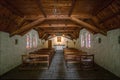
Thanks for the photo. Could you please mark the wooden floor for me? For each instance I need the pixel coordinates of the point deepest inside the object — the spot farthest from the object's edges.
(58, 70)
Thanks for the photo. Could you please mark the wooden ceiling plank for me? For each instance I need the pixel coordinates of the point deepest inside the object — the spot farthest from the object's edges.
(72, 7)
(21, 23)
(28, 27)
(100, 8)
(10, 7)
(41, 7)
(109, 17)
(87, 26)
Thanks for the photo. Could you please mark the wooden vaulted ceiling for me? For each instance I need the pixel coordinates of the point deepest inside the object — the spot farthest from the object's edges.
(58, 17)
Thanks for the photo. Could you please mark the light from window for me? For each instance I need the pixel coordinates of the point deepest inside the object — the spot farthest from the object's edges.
(88, 45)
(82, 40)
(86, 40)
(28, 41)
(34, 41)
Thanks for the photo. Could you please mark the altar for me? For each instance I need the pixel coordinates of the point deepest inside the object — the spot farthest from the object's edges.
(59, 47)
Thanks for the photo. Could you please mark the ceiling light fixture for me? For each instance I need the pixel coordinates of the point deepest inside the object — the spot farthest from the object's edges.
(55, 8)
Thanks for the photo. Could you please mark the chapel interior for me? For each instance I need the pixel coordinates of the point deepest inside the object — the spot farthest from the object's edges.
(60, 39)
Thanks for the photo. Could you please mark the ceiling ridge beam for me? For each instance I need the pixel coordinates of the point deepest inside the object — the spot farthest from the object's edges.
(72, 7)
(41, 7)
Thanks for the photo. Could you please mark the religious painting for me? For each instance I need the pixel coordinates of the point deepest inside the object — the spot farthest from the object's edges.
(58, 39)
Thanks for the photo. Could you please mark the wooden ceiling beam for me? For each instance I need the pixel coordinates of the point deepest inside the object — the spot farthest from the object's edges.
(44, 35)
(51, 37)
(41, 8)
(59, 31)
(87, 26)
(72, 36)
(67, 26)
(67, 37)
(96, 23)
(60, 17)
(21, 23)
(28, 27)
(76, 33)
(109, 17)
(72, 7)
(41, 34)
(82, 16)
(10, 7)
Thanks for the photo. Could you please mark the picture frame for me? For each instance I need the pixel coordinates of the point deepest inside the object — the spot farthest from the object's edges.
(58, 39)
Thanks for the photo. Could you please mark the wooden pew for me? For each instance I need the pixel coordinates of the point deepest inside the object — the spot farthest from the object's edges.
(87, 62)
(72, 55)
(38, 57)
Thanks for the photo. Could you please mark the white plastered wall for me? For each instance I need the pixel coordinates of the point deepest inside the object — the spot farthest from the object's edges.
(107, 53)
(10, 53)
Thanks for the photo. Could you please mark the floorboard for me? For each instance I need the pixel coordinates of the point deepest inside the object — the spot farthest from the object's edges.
(58, 70)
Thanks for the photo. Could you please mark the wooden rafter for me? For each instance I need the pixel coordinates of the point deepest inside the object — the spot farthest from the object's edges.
(21, 23)
(66, 37)
(100, 8)
(109, 17)
(41, 8)
(87, 26)
(72, 25)
(46, 37)
(40, 20)
(41, 34)
(72, 7)
(28, 27)
(10, 7)
(72, 35)
(58, 31)
(96, 23)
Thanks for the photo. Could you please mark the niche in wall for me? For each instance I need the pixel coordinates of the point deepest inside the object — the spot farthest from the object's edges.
(118, 39)
(16, 41)
(99, 40)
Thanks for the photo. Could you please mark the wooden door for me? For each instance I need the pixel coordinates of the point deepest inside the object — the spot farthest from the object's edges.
(49, 43)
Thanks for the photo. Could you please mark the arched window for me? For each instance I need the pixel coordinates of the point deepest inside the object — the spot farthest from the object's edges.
(28, 41)
(82, 40)
(34, 41)
(85, 39)
(88, 40)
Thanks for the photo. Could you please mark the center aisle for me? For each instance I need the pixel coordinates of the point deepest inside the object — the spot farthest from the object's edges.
(58, 69)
